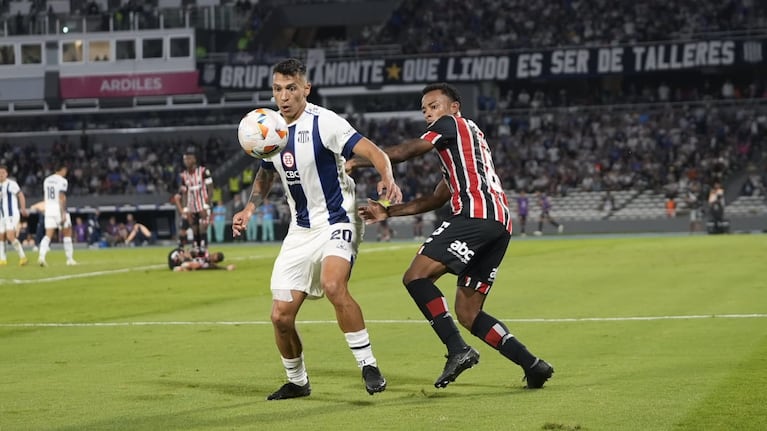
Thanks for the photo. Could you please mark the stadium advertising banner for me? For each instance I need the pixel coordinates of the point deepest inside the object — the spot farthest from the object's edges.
(572, 62)
(129, 85)
(15, 89)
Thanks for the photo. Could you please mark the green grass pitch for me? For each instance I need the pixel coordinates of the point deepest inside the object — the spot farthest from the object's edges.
(645, 333)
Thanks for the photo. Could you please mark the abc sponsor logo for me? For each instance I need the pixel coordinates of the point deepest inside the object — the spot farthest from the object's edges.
(460, 250)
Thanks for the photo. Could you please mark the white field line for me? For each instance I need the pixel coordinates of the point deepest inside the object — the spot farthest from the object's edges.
(324, 322)
(147, 267)
(264, 322)
(75, 276)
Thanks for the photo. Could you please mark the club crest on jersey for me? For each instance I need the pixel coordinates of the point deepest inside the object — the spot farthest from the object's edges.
(288, 160)
(303, 136)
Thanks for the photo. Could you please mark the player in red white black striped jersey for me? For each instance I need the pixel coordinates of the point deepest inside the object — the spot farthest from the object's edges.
(196, 190)
(470, 243)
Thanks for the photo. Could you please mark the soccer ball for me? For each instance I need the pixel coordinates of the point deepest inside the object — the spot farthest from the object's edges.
(262, 133)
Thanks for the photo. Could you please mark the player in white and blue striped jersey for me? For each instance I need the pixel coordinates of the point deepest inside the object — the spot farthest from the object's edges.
(13, 206)
(325, 231)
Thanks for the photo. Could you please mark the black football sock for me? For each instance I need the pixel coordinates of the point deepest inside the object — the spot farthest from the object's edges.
(433, 305)
(493, 332)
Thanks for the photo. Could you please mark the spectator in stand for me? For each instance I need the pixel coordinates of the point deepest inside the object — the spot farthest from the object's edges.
(94, 230)
(114, 232)
(536, 24)
(716, 202)
(608, 203)
(251, 233)
(670, 206)
(268, 211)
(219, 222)
(137, 233)
(693, 202)
(235, 185)
(753, 186)
(80, 230)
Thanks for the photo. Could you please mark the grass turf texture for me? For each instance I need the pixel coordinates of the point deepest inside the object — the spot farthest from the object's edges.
(137, 347)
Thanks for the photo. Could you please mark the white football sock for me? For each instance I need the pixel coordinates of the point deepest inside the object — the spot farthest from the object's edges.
(45, 246)
(296, 370)
(359, 342)
(69, 249)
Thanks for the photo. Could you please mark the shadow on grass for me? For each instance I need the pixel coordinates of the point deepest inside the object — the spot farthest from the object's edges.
(244, 405)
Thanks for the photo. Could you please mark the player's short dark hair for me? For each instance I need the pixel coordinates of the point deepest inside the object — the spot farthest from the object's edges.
(175, 257)
(290, 67)
(190, 151)
(446, 89)
(217, 256)
(4, 167)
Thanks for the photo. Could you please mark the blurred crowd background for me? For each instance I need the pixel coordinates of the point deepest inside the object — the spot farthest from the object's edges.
(667, 134)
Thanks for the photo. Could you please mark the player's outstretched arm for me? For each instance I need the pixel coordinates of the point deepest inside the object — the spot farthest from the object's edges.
(387, 188)
(406, 150)
(262, 184)
(376, 211)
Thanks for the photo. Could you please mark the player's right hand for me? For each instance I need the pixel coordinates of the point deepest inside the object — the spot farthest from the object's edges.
(349, 166)
(240, 222)
(374, 212)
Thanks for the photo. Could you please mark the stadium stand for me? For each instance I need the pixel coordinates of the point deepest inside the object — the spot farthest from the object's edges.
(488, 25)
(643, 137)
(748, 205)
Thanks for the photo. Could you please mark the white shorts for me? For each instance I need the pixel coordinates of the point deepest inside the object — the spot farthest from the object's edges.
(53, 221)
(299, 263)
(9, 224)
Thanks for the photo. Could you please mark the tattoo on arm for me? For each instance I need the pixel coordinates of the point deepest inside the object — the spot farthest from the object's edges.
(255, 198)
(261, 186)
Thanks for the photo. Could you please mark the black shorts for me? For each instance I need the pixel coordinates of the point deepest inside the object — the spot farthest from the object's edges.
(471, 248)
(197, 219)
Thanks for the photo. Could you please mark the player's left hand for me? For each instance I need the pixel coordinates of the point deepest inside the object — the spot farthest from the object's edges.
(373, 212)
(390, 191)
